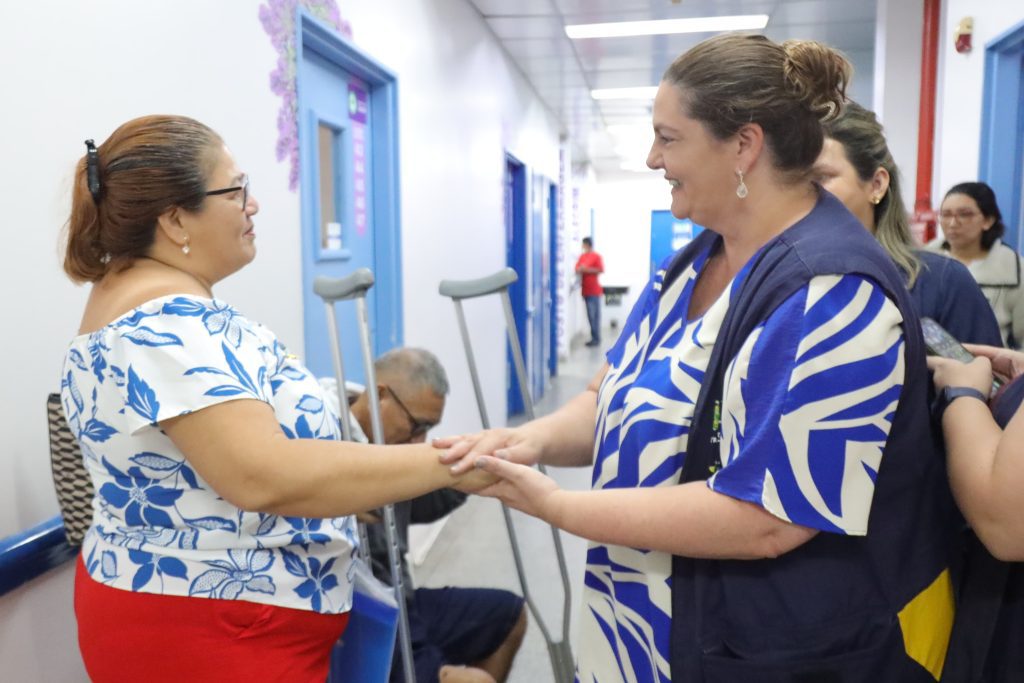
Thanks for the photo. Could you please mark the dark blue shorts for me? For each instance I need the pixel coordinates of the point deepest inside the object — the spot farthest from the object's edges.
(456, 626)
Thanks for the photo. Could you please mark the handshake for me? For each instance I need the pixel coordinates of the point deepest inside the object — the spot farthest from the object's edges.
(498, 463)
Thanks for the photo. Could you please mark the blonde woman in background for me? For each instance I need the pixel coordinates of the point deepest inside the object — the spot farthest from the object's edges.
(856, 166)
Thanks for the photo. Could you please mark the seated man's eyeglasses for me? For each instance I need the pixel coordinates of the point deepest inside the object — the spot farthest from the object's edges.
(417, 427)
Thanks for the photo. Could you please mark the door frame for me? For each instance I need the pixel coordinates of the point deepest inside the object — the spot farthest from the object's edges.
(554, 260)
(1001, 161)
(384, 200)
(517, 258)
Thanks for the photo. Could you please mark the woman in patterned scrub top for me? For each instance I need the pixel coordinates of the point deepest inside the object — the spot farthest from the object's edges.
(222, 538)
(767, 503)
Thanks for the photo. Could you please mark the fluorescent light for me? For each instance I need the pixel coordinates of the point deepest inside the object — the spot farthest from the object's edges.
(745, 22)
(642, 93)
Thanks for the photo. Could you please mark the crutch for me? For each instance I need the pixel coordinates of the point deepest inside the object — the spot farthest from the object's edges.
(332, 290)
(498, 283)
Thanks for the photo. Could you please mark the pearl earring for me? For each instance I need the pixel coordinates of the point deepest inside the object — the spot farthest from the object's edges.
(185, 248)
(741, 189)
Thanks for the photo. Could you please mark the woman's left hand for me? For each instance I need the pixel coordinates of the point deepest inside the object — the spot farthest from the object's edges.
(952, 373)
(523, 488)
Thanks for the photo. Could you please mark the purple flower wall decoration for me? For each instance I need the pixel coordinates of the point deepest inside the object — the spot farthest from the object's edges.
(278, 19)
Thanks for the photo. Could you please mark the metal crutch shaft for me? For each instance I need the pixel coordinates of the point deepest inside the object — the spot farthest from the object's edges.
(344, 416)
(355, 286)
(559, 651)
(486, 423)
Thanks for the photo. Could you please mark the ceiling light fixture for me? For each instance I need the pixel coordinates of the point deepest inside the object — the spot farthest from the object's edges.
(646, 92)
(620, 29)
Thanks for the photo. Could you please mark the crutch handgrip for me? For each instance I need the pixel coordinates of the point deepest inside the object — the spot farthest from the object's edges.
(340, 288)
(467, 289)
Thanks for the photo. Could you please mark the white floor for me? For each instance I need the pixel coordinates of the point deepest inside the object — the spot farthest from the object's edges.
(473, 549)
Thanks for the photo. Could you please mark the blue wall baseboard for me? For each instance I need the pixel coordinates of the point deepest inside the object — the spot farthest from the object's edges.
(32, 553)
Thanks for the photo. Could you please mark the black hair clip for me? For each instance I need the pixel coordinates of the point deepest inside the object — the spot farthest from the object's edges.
(92, 170)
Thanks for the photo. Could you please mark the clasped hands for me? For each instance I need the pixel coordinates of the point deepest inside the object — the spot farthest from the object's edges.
(498, 463)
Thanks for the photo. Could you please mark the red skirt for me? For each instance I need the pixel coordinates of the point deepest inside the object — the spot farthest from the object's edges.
(126, 636)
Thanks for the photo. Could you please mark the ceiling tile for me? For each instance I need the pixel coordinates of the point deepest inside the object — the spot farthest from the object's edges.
(563, 71)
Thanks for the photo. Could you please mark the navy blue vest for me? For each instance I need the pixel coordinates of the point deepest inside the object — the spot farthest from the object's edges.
(826, 611)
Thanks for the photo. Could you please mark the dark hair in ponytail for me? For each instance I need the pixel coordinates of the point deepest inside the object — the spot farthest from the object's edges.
(734, 79)
(147, 166)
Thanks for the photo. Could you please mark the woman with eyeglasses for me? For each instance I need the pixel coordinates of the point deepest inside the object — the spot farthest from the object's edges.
(972, 228)
(856, 166)
(222, 536)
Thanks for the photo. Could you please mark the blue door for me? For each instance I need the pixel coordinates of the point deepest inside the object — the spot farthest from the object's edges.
(552, 272)
(515, 239)
(1001, 162)
(348, 180)
(527, 229)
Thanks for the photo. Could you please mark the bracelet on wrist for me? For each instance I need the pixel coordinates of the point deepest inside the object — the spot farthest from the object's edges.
(950, 394)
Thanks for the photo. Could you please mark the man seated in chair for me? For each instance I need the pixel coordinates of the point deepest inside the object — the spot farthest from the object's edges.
(458, 634)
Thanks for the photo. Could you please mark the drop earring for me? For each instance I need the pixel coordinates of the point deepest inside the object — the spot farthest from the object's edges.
(741, 189)
(185, 249)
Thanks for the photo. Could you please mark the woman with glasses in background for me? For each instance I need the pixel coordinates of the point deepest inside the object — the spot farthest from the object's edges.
(972, 227)
(222, 539)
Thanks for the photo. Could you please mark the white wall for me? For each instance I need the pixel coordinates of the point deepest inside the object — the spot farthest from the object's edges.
(961, 77)
(960, 80)
(84, 68)
(897, 84)
(38, 635)
(567, 237)
(462, 105)
(94, 66)
(861, 85)
(579, 208)
(622, 232)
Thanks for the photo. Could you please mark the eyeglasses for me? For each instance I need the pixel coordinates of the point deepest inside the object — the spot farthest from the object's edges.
(418, 427)
(244, 187)
(961, 215)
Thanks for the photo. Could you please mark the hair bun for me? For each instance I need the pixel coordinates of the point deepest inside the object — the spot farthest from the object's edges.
(817, 76)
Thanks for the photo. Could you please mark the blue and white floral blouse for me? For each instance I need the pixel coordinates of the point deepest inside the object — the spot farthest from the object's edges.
(157, 526)
(806, 408)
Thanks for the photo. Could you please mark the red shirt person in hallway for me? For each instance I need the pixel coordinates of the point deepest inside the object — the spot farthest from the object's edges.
(589, 267)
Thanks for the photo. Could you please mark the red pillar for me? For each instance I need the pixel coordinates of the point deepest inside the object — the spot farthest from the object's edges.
(923, 222)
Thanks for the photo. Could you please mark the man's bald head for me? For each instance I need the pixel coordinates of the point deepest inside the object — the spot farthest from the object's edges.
(413, 369)
(412, 385)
